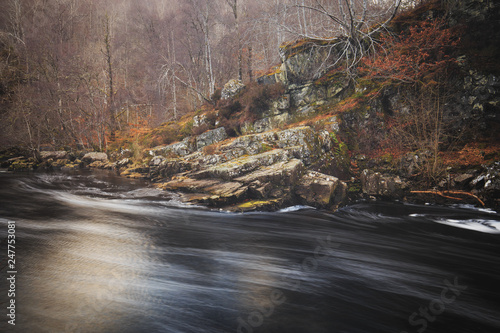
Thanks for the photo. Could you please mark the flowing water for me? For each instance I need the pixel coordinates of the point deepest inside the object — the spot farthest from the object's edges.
(97, 253)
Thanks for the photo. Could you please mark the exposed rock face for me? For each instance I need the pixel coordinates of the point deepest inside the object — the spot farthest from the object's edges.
(283, 173)
(210, 137)
(182, 148)
(269, 169)
(268, 123)
(375, 184)
(231, 89)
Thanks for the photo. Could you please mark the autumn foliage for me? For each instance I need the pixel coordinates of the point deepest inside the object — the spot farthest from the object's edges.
(420, 60)
(419, 56)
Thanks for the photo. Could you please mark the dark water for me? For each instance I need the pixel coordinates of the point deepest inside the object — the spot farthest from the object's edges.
(96, 253)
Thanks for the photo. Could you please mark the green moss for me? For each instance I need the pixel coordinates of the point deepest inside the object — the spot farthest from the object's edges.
(22, 165)
(187, 129)
(354, 188)
(251, 204)
(265, 147)
(291, 49)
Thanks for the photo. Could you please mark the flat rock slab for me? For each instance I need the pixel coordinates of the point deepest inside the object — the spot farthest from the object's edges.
(242, 165)
(189, 184)
(281, 173)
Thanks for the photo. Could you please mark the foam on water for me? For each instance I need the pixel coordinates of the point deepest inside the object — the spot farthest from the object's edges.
(294, 208)
(481, 225)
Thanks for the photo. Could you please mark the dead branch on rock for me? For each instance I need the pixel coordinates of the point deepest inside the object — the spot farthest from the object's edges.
(445, 194)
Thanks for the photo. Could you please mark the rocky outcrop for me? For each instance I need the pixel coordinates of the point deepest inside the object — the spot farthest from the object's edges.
(182, 148)
(210, 137)
(189, 145)
(265, 170)
(231, 89)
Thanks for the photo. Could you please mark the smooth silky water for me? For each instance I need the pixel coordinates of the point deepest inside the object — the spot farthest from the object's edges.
(99, 253)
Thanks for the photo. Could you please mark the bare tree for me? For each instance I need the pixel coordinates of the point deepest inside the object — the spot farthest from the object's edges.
(109, 72)
(234, 7)
(347, 28)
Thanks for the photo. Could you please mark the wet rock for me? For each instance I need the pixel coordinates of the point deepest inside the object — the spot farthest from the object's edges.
(70, 167)
(489, 180)
(60, 163)
(21, 164)
(226, 193)
(320, 190)
(212, 191)
(102, 165)
(135, 172)
(259, 205)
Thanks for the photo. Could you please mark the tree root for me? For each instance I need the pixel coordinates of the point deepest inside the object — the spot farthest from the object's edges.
(446, 194)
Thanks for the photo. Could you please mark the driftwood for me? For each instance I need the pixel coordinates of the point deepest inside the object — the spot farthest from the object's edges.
(446, 194)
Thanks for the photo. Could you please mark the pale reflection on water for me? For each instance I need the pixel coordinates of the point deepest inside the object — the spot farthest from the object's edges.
(83, 278)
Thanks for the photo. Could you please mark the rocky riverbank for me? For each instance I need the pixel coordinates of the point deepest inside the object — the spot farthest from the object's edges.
(272, 170)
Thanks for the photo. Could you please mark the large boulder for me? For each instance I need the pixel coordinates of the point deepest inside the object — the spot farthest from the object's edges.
(95, 156)
(320, 190)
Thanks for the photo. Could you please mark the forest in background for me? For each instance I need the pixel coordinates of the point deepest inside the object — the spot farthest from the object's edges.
(74, 72)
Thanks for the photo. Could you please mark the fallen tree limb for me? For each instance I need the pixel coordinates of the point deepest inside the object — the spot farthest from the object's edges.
(445, 194)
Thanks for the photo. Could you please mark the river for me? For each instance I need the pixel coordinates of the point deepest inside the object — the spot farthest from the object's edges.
(99, 253)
